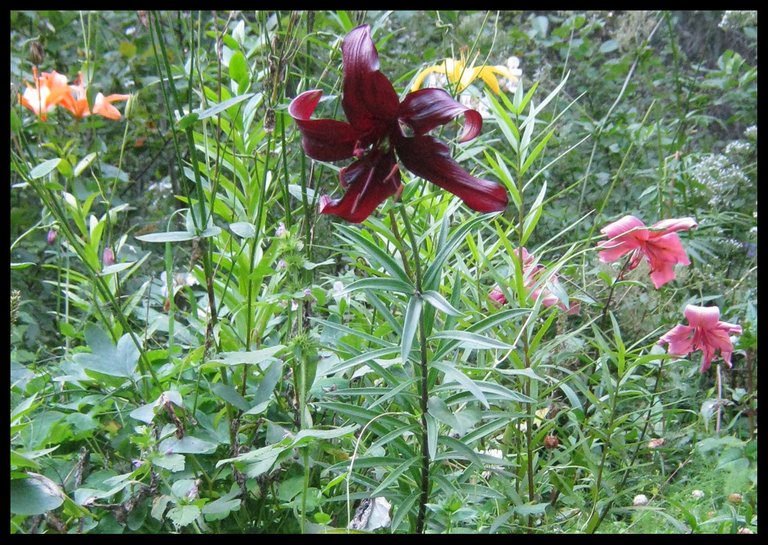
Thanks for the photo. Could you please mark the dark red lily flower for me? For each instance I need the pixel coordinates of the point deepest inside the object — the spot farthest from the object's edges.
(374, 135)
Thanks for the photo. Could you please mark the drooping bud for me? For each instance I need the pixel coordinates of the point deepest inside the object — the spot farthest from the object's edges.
(51, 238)
(36, 52)
(269, 121)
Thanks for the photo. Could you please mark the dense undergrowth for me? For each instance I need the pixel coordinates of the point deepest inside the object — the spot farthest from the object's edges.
(199, 346)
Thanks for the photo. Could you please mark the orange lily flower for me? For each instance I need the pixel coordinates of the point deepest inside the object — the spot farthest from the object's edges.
(77, 102)
(50, 89)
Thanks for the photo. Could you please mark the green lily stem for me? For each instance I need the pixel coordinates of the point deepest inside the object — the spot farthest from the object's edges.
(424, 382)
(608, 506)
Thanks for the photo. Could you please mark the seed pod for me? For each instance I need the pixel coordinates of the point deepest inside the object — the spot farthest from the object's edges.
(551, 441)
(269, 121)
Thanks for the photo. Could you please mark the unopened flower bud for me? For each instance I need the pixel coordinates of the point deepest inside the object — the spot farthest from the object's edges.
(108, 257)
(36, 52)
(551, 441)
(735, 497)
(51, 238)
(656, 443)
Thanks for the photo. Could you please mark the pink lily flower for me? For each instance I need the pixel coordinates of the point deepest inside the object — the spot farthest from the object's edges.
(659, 243)
(531, 275)
(706, 333)
(381, 129)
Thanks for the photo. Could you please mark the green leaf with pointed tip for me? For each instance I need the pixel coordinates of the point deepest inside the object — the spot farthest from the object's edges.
(410, 326)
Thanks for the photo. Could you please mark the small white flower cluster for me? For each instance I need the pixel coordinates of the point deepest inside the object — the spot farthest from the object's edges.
(736, 19)
(738, 147)
(719, 174)
(751, 132)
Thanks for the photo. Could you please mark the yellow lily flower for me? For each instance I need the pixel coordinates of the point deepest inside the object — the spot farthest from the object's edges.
(459, 73)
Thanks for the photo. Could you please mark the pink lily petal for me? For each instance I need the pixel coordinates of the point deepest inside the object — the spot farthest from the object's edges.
(706, 333)
(702, 317)
(680, 340)
(497, 296)
(322, 139)
(622, 226)
(429, 108)
(369, 100)
(678, 224)
(431, 159)
(369, 181)
(662, 272)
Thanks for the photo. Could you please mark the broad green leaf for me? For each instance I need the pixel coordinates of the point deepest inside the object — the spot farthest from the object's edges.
(44, 168)
(251, 357)
(84, 163)
(171, 462)
(186, 445)
(230, 395)
(243, 229)
(35, 495)
(238, 68)
(184, 515)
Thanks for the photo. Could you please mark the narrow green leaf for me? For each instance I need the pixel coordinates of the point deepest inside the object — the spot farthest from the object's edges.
(410, 326)
(532, 218)
(381, 284)
(373, 252)
(213, 110)
(468, 339)
(432, 429)
(394, 475)
(440, 303)
(169, 236)
(458, 376)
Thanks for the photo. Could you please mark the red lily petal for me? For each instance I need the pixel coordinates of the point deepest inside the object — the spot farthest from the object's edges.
(369, 100)
(429, 108)
(431, 159)
(322, 139)
(369, 181)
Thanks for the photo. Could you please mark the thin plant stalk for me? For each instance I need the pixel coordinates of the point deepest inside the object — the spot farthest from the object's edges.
(423, 380)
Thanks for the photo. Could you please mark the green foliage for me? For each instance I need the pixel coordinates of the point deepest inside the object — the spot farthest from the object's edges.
(195, 349)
